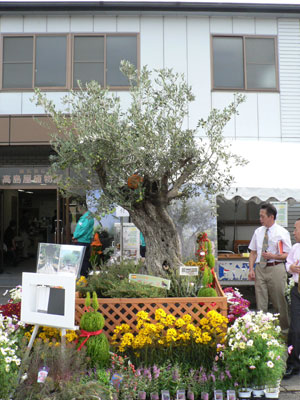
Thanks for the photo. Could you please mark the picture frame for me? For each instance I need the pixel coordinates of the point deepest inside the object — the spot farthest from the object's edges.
(59, 259)
(48, 300)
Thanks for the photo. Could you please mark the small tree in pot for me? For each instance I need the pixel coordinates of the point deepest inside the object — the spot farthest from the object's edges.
(144, 157)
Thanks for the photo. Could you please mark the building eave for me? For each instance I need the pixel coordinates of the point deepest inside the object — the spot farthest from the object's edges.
(147, 7)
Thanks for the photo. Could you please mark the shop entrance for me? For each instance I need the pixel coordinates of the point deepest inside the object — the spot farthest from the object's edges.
(36, 216)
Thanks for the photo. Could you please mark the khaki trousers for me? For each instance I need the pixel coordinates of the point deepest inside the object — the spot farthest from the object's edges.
(270, 282)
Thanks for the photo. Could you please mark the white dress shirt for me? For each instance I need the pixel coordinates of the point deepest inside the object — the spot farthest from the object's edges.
(293, 258)
(275, 234)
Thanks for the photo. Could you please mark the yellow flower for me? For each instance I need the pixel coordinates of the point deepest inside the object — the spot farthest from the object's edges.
(191, 327)
(179, 323)
(170, 320)
(143, 315)
(187, 318)
(160, 313)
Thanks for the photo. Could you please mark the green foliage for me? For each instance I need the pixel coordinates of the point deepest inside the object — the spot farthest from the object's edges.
(95, 304)
(255, 353)
(206, 277)
(88, 300)
(207, 292)
(92, 321)
(8, 379)
(97, 346)
(149, 133)
(67, 365)
(183, 286)
(126, 289)
(108, 282)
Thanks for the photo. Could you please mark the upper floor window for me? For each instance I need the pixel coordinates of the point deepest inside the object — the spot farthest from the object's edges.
(60, 61)
(244, 63)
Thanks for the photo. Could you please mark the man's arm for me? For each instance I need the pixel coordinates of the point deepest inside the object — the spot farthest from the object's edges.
(270, 256)
(252, 259)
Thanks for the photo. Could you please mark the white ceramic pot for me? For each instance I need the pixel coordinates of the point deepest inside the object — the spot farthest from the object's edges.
(244, 394)
(272, 393)
(258, 392)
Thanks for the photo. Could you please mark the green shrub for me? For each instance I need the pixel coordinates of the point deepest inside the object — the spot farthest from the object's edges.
(109, 277)
(207, 292)
(8, 379)
(97, 346)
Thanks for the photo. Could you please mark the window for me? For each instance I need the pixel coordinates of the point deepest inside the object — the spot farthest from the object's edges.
(244, 62)
(60, 61)
(34, 61)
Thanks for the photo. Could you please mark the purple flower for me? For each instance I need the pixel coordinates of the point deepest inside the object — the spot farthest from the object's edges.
(228, 374)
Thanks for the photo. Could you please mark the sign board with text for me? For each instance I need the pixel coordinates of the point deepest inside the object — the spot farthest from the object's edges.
(150, 280)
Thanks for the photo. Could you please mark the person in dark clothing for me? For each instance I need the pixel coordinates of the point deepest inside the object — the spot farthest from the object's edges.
(9, 240)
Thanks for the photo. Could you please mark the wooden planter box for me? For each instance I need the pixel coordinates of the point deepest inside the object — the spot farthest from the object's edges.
(123, 311)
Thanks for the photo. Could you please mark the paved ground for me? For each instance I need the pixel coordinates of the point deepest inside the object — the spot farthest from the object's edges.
(12, 276)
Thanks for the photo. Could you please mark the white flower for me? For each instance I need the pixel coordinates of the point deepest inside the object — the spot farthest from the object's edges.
(270, 364)
(8, 360)
(250, 343)
(264, 336)
(271, 354)
(238, 335)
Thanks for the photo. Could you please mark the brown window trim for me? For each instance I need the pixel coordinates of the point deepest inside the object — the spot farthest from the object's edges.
(245, 89)
(69, 60)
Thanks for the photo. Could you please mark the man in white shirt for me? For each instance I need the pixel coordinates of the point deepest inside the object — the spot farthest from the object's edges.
(293, 267)
(269, 247)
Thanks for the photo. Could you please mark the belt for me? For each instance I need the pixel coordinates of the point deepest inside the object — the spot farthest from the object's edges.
(273, 263)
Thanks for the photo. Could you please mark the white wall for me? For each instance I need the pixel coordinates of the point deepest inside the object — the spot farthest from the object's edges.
(183, 43)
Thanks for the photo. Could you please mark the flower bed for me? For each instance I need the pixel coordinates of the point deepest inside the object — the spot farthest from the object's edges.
(118, 311)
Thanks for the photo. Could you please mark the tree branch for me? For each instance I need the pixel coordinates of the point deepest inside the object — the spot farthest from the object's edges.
(173, 193)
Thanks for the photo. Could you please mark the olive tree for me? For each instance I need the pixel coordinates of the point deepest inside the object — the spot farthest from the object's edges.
(144, 156)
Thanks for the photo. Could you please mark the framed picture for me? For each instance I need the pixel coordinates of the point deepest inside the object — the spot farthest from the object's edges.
(48, 299)
(59, 259)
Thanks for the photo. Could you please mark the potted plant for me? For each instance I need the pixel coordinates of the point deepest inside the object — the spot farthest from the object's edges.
(255, 352)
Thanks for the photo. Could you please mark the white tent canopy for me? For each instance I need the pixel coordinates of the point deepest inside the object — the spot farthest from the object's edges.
(271, 174)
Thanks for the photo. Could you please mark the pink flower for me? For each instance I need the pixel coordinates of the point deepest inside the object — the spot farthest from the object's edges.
(290, 348)
(252, 367)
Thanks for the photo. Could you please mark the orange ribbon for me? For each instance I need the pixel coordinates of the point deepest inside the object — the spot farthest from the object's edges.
(87, 334)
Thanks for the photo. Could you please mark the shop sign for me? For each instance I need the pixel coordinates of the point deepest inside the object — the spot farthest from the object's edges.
(26, 176)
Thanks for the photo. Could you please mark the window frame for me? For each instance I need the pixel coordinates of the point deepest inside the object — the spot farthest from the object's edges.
(70, 41)
(244, 37)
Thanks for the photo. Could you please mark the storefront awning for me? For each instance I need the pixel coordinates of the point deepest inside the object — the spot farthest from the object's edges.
(273, 171)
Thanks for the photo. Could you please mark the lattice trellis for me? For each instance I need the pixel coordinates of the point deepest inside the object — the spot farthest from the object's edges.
(118, 311)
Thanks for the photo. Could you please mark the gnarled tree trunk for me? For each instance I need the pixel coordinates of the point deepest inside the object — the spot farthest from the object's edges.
(161, 237)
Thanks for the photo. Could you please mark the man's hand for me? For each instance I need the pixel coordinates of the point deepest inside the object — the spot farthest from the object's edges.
(294, 268)
(251, 275)
(268, 256)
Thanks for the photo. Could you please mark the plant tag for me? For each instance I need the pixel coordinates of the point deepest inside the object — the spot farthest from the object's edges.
(165, 395)
(218, 395)
(180, 395)
(204, 396)
(116, 380)
(42, 374)
(231, 395)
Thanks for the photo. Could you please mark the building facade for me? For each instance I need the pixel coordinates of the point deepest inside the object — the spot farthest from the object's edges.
(221, 49)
